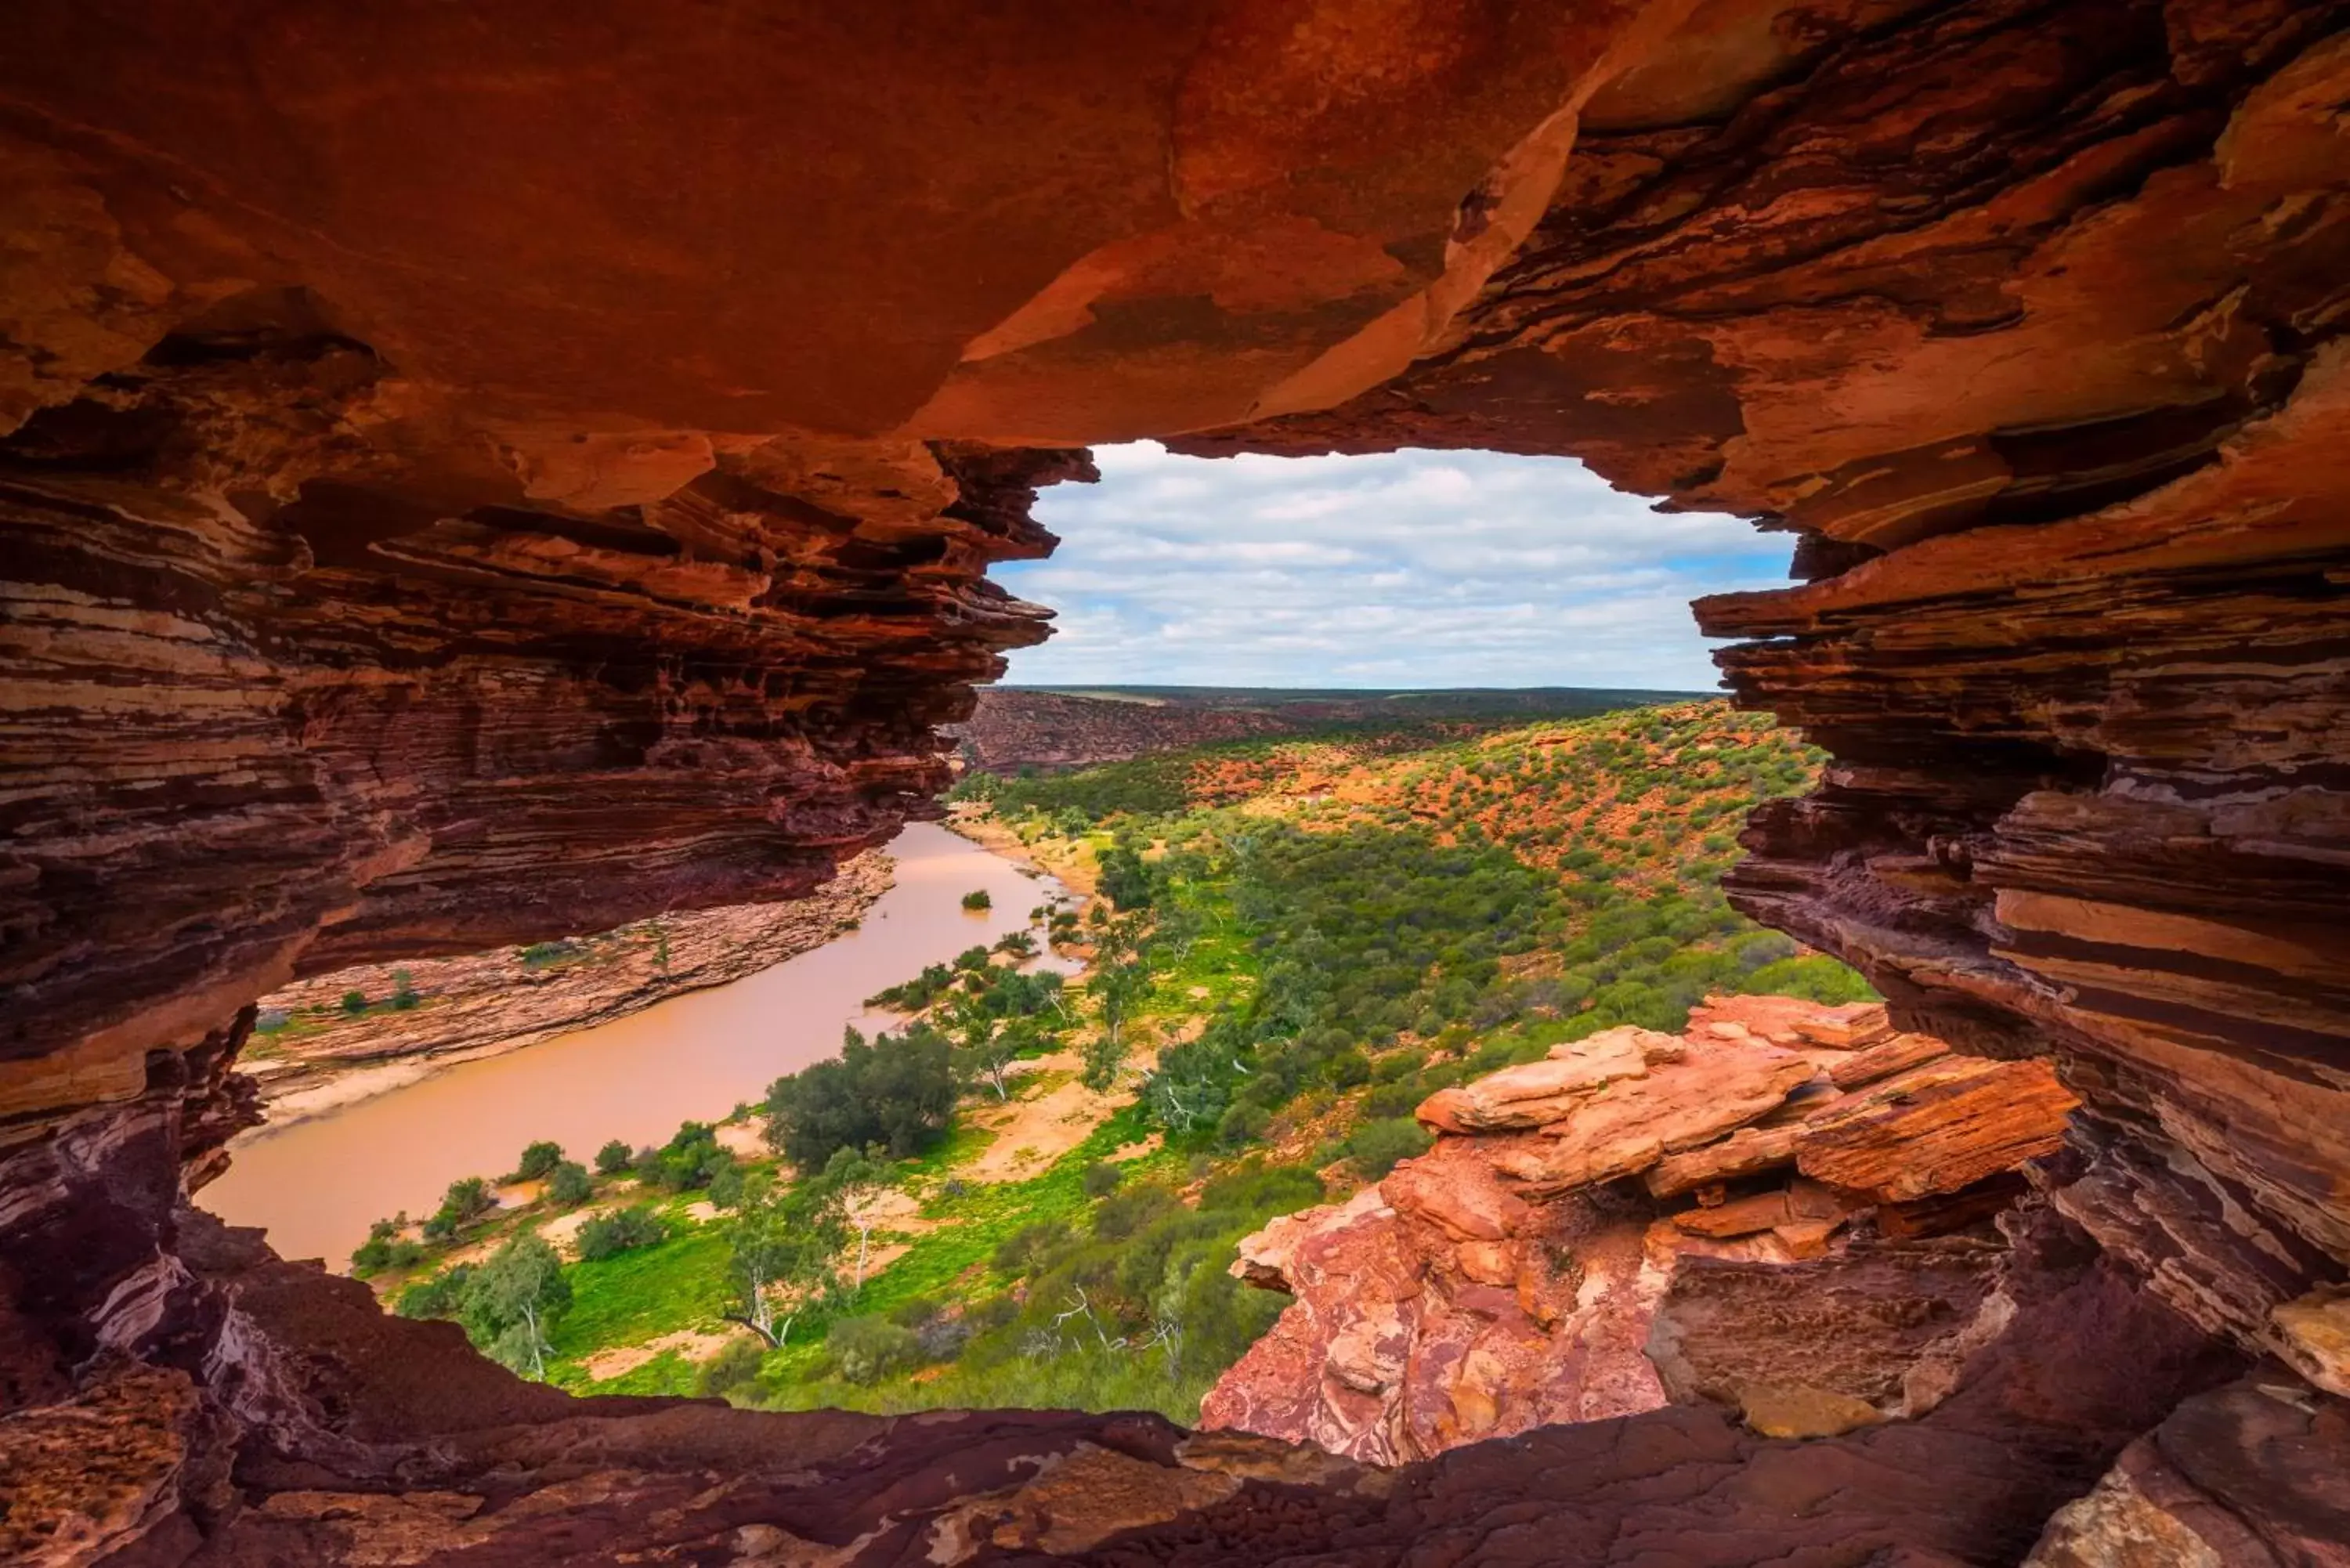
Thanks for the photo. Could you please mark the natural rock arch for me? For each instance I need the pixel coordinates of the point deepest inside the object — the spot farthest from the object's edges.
(474, 480)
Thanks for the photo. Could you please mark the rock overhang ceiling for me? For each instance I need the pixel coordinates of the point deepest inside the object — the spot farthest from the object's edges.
(477, 479)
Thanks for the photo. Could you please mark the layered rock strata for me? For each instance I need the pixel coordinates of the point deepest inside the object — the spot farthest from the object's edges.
(1626, 1222)
(475, 481)
(486, 1004)
(2027, 321)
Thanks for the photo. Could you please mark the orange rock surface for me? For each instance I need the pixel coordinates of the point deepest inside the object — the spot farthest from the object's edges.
(1499, 1281)
(471, 476)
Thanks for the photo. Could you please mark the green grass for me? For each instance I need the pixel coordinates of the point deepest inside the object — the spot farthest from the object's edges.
(638, 1295)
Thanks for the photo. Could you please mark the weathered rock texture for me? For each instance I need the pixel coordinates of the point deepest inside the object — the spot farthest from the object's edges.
(476, 478)
(488, 1003)
(2027, 319)
(1522, 1273)
(2254, 1475)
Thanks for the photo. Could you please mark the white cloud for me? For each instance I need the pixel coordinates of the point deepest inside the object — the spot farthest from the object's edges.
(1411, 568)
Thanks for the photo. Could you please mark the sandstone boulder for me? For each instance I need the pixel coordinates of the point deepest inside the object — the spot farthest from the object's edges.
(1510, 1278)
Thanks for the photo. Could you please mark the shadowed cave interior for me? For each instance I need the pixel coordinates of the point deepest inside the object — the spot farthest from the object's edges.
(471, 480)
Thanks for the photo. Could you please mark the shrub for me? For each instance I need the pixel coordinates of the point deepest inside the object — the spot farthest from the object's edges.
(437, 1297)
(1243, 1124)
(735, 1364)
(537, 1160)
(403, 990)
(1022, 1253)
(607, 1235)
(867, 1349)
(355, 1003)
(1100, 1179)
(690, 1158)
(1376, 1147)
(384, 1247)
(1814, 979)
(612, 1158)
(568, 1183)
(977, 898)
(467, 1199)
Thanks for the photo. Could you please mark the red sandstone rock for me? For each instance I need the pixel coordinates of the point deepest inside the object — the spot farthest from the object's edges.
(1615, 1104)
(1478, 1293)
(1937, 1129)
(422, 538)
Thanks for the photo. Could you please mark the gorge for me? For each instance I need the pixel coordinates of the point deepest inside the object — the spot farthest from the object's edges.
(476, 481)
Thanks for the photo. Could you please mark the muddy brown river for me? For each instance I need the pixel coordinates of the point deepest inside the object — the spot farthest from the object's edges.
(318, 1184)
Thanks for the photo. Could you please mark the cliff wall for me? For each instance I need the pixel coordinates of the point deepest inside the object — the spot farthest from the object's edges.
(474, 480)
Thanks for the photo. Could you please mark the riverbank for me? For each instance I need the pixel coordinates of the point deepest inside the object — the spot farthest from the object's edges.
(1068, 861)
(316, 1181)
(316, 1053)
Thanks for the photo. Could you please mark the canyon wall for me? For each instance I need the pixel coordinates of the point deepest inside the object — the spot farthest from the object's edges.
(471, 480)
(2027, 320)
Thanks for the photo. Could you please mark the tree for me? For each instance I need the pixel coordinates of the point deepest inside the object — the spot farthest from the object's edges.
(467, 1199)
(537, 1160)
(785, 1241)
(1125, 878)
(861, 1179)
(612, 1158)
(403, 990)
(607, 1234)
(977, 898)
(690, 1158)
(569, 1183)
(1117, 988)
(355, 1003)
(509, 1304)
(1103, 1059)
(897, 1090)
(988, 1044)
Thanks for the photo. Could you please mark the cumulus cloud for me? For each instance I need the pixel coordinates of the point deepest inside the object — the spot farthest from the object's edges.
(1411, 568)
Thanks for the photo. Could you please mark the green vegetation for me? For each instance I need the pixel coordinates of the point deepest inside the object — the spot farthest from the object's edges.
(1295, 943)
(568, 1184)
(691, 1159)
(606, 1234)
(895, 1090)
(977, 898)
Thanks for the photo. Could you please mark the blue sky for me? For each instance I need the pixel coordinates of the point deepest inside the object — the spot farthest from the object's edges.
(1411, 568)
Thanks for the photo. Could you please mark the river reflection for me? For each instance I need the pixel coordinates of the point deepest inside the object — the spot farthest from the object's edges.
(318, 1184)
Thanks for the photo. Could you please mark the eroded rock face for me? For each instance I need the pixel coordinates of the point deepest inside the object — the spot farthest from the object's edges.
(2027, 320)
(462, 492)
(489, 1003)
(1539, 1265)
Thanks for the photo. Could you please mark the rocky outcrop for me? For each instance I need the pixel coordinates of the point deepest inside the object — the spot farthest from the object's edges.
(2027, 321)
(463, 492)
(484, 1004)
(1523, 1271)
(2253, 1475)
